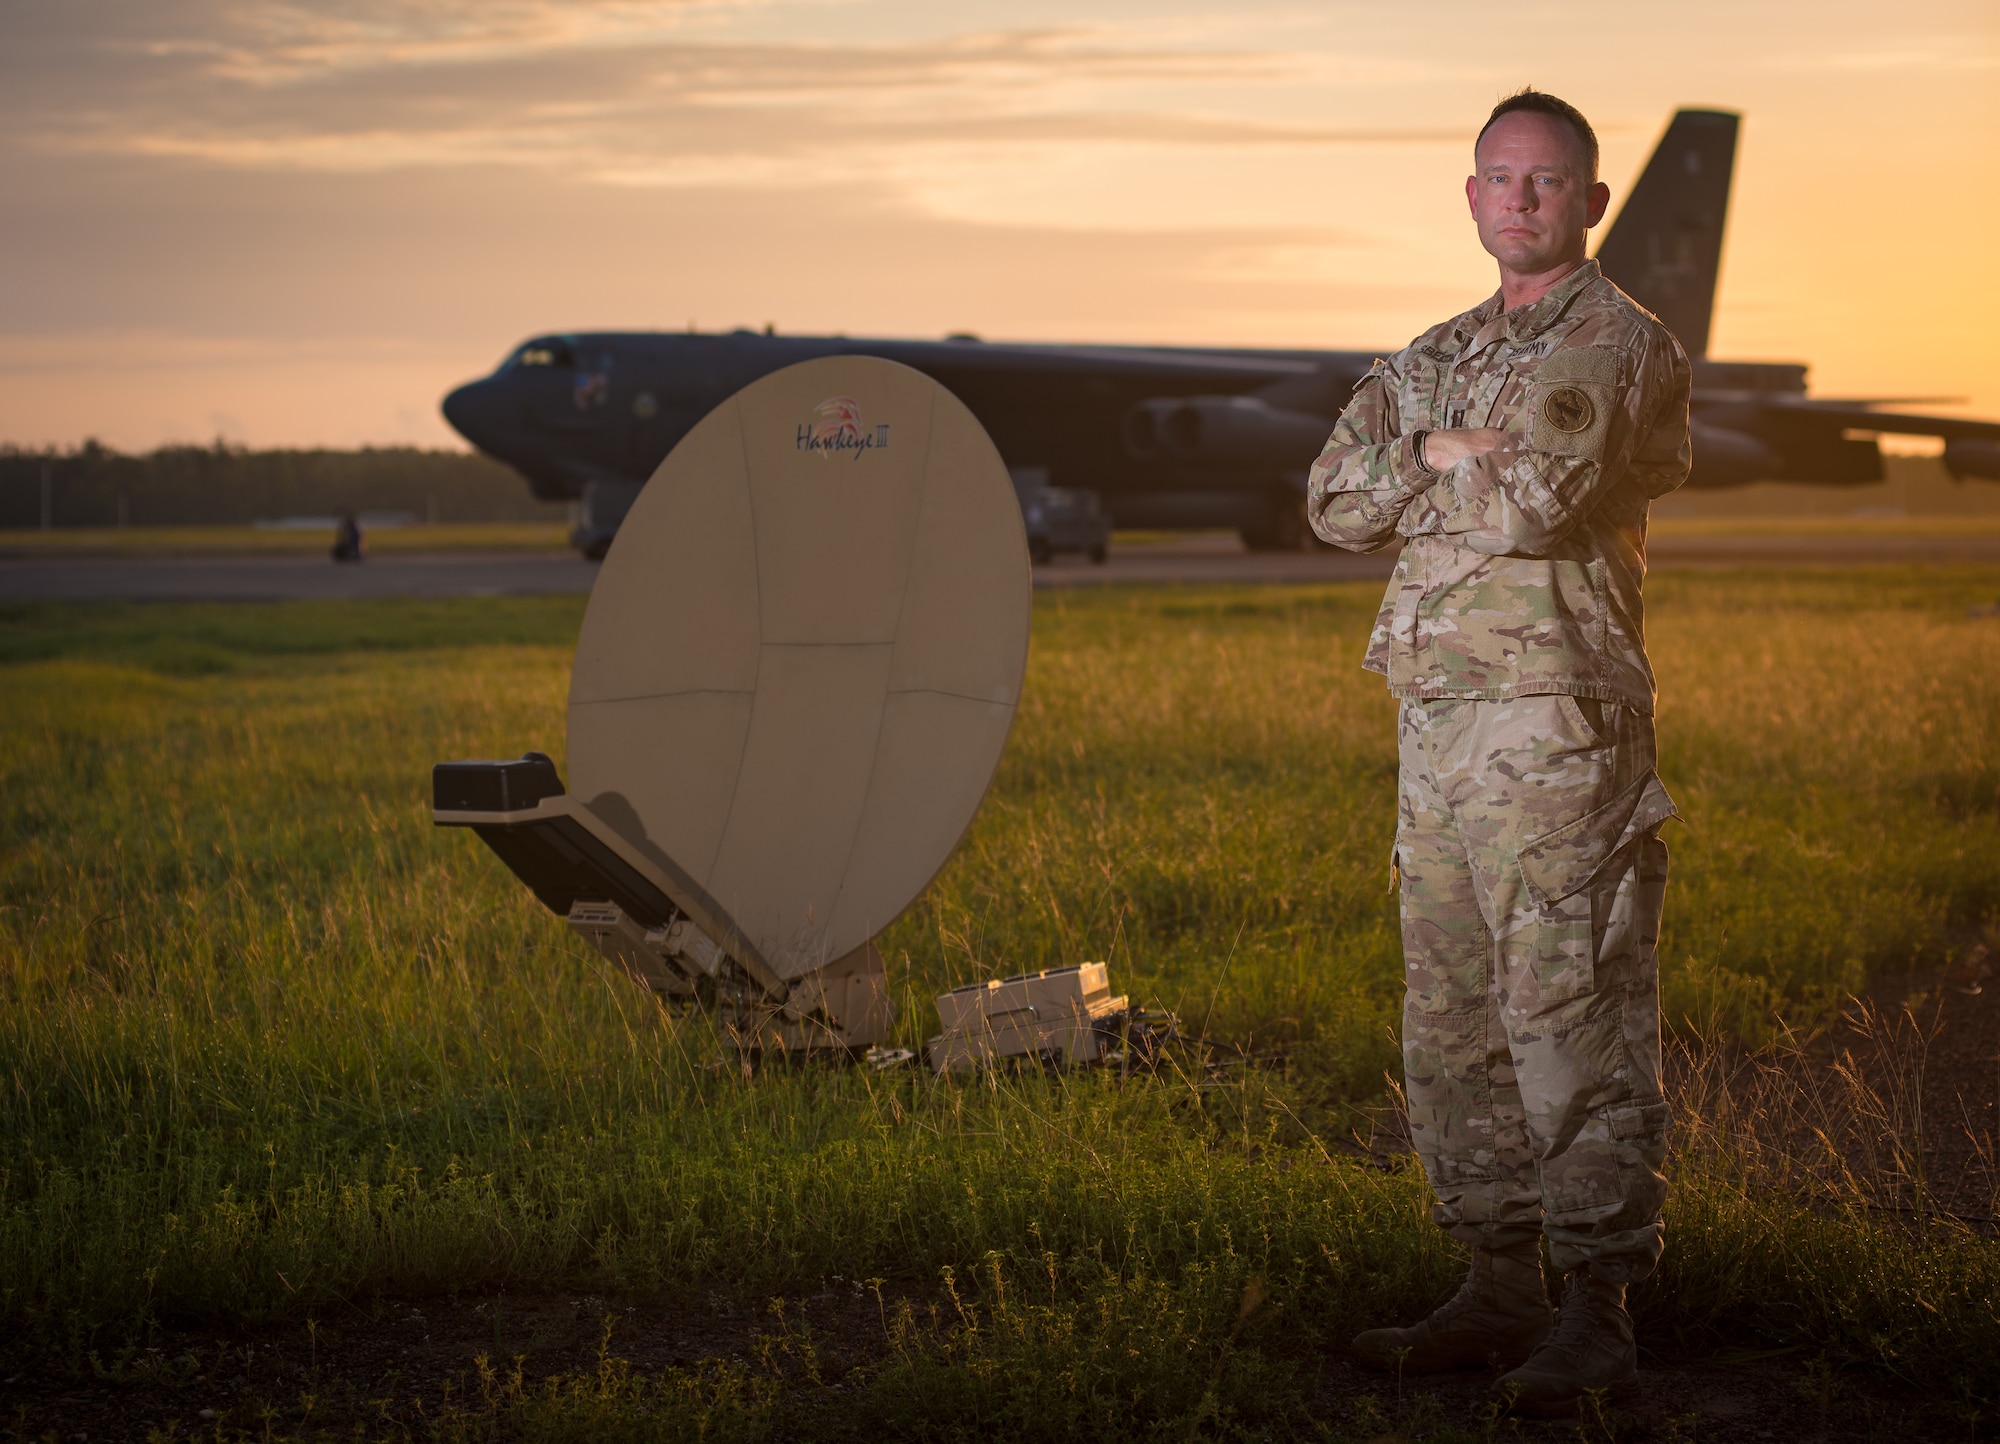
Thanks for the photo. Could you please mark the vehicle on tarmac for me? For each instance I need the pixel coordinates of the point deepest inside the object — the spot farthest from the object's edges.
(1060, 518)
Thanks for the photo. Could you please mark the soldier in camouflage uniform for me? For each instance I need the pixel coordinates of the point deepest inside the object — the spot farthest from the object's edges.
(1513, 451)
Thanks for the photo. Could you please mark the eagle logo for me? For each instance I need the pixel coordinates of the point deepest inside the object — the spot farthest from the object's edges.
(843, 420)
(1568, 410)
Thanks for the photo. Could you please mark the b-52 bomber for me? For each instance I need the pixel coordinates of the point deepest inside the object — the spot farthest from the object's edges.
(1183, 437)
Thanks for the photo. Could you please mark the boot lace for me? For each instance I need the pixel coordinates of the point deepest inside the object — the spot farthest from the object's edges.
(1466, 1298)
(1576, 1324)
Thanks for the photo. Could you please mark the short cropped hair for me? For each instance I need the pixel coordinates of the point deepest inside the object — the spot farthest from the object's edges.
(1540, 102)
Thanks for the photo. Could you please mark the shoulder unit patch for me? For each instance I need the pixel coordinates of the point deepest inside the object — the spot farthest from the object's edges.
(1571, 399)
(1568, 410)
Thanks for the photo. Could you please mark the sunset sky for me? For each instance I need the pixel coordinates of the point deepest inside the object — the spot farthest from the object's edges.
(300, 223)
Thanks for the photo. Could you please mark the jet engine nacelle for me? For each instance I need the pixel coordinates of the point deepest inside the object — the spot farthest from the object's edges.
(1972, 457)
(1223, 431)
(1730, 458)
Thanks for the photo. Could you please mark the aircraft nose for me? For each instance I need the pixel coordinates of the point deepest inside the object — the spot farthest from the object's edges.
(474, 413)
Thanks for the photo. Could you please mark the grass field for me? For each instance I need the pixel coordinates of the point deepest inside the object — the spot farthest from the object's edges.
(274, 1047)
(553, 536)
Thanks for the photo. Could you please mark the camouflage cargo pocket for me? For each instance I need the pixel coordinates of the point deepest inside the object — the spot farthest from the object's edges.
(1611, 1168)
(1564, 961)
(1645, 1124)
(1448, 1092)
(1420, 396)
(1558, 868)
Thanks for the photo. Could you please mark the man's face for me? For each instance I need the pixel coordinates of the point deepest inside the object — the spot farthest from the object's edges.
(1532, 196)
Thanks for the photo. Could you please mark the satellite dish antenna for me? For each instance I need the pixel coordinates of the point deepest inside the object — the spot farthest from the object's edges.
(794, 681)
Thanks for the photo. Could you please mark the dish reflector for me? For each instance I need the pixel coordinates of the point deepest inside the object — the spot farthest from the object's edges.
(804, 651)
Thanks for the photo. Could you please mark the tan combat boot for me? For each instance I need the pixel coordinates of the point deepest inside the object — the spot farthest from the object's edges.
(1591, 1351)
(1497, 1317)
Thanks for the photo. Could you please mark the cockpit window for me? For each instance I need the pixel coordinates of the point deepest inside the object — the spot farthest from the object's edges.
(546, 353)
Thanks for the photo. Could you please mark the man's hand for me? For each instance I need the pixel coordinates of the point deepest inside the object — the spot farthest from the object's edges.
(1445, 449)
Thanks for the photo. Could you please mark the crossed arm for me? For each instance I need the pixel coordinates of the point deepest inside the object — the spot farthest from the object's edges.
(1446, 449)
(1485, 488)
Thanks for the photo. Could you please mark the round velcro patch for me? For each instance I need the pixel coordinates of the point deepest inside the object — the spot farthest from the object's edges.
(1568, 410)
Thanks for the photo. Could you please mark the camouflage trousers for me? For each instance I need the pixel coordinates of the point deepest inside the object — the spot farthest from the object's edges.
(1532, 883)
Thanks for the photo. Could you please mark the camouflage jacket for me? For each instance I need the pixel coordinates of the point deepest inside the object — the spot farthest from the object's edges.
(1521, 569)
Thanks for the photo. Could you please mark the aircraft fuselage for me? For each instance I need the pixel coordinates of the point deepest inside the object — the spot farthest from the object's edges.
(1186, 437)
(572, 411)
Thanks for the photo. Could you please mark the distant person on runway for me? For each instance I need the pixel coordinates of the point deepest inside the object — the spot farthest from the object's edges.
(1514, 451)
(348, 545)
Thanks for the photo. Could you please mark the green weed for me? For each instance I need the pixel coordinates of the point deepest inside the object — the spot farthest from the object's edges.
(271, 1042)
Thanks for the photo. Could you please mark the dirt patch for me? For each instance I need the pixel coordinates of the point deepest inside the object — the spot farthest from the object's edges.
(395, 1367)
(394, 1370)
(1952, 1039)
(1894, 1107)
(1677, 1399)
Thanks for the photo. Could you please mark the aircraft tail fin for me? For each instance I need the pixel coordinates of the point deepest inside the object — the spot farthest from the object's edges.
(1665, 248)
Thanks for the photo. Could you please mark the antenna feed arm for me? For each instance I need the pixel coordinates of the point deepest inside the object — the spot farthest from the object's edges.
(658, 924)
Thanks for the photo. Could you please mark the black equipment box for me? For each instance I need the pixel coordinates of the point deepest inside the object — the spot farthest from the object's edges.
(494, 786)
(561, 859)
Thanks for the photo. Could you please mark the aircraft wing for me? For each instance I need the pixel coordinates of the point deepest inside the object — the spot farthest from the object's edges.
(1744, 436)
(1194, 437)
(1863, 416)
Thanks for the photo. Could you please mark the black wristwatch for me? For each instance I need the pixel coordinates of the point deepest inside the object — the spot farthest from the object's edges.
(1417, 453)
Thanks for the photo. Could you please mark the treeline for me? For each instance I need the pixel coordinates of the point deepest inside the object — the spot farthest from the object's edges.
(220, 485)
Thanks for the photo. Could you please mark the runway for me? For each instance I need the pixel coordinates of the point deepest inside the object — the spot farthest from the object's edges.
(292, 578)
(1184, 561)
(1223, 559)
